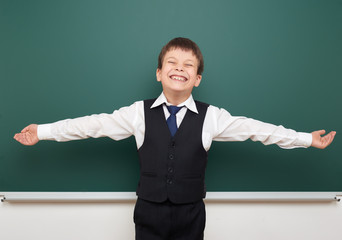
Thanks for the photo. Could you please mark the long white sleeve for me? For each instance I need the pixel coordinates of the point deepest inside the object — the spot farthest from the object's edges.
(121, 124)
(221, 126)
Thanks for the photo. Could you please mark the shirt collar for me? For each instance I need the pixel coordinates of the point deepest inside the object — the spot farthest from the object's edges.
(189, 103)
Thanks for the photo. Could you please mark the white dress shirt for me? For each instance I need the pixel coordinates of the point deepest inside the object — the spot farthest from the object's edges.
(218, 125)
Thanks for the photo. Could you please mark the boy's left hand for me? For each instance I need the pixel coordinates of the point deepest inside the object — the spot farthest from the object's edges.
(322, 142)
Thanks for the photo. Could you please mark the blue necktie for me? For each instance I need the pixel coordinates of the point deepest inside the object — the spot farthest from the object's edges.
(171, 121)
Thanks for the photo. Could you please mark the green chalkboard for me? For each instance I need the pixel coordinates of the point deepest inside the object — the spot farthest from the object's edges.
(275, 61)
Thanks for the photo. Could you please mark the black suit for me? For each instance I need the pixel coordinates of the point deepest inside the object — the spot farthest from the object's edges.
(172, 171)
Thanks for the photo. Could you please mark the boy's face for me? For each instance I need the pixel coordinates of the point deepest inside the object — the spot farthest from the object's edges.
(179, 72)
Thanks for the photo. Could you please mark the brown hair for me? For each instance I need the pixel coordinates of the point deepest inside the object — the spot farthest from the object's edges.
(184, 44)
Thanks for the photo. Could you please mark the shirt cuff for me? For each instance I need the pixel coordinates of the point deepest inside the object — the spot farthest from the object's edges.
(44, 132)
(305, 139)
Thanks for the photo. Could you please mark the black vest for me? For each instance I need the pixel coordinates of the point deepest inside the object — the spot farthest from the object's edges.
(172, 168)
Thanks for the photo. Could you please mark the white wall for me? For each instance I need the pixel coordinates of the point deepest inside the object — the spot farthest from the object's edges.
(225, 220)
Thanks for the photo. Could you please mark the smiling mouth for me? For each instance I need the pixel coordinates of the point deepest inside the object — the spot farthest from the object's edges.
(178, 78)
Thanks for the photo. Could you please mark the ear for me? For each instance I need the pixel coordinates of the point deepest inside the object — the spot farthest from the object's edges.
(158, 75)
(198, 80)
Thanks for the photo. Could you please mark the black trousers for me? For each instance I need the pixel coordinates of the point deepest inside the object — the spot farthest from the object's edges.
(168, 221)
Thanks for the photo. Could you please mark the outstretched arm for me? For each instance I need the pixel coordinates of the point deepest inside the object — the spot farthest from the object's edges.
(121, 124)
(28, 136)
(322, 142)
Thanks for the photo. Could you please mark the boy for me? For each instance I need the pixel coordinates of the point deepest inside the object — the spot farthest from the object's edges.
(173, 135)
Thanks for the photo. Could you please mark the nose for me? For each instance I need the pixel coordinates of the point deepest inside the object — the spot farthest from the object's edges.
(179, 67)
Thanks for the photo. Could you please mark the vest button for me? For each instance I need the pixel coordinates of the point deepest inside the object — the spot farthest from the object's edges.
(171, 156)
(170, 170)
(173, 144)
(169, 181)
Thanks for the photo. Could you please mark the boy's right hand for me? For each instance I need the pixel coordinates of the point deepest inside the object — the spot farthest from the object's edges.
(28, 136)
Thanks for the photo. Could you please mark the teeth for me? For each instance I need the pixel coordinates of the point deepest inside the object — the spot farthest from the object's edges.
(178, 78)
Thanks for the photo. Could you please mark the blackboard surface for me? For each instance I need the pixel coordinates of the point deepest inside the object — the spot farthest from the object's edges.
(275, 61)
